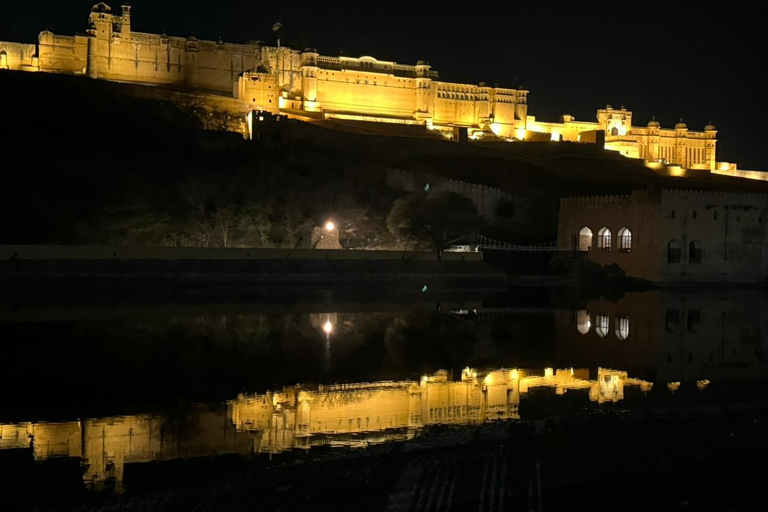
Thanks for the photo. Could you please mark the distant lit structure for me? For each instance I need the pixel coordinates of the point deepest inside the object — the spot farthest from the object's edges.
(310, 86)
(671, 235)
(326, 237)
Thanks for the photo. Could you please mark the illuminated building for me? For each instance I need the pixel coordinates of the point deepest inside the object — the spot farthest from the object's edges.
(671, 235)
(310, 86)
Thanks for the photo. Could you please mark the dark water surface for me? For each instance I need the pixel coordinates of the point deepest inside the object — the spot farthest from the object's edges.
(93, 392)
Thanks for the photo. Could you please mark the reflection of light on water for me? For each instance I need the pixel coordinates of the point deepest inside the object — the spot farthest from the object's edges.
(357, 414)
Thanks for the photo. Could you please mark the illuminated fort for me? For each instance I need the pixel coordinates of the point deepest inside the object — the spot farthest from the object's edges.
(348, 414)
(309, 86)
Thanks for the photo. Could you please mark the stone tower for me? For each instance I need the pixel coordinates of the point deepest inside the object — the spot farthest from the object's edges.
(309, 79)
(191, 49)
(423, 89)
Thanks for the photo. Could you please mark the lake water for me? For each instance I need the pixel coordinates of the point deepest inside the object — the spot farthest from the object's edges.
(93, 389)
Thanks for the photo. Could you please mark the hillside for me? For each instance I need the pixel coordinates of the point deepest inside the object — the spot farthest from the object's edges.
(99, 164)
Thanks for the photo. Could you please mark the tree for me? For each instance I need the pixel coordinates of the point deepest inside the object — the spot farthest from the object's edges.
(437, 219)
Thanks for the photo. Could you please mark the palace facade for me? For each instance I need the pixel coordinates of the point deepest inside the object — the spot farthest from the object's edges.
(310, 86)
(671, 235)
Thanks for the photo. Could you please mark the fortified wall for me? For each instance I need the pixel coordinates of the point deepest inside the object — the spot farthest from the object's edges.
(672, 235)
(486, 199)
(311, 86)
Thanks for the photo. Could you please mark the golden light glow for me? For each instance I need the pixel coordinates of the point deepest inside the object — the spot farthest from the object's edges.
(673, 386)
(520, 133)
(328, 327)
(555, 136)
(325, 414)
(330, 226)
(496, 128)
(702, 384)
(549, 372)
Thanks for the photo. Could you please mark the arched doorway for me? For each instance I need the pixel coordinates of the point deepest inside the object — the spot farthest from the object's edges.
(625, 240)
(585, 239)
(604, 239)
(694, 251)
(674, 251)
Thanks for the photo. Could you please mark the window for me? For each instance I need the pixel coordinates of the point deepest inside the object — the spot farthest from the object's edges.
(695, 214)
(625, 240)
(694, 251)
(604, 239)
(674, 251)
(622, 327)
(3, 60)
(672, 214)
(694, 320)
(714, 215)
(672, 320)
(583, 322)
(585, 239)
(602, 325)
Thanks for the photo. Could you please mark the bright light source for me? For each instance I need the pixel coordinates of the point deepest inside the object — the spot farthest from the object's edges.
(520, 134)
(330, 226)
(328, 327)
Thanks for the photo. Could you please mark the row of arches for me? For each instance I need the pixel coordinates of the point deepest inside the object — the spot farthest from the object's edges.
(675, 251)
(603, 324)
(605, 239)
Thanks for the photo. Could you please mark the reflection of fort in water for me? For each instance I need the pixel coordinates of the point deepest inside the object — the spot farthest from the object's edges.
(670, 336)
(346, 414)
(676, 340)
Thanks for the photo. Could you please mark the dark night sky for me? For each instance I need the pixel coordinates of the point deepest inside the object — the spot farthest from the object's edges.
(692, 63)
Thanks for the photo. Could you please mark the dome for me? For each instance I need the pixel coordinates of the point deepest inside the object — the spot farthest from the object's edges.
(653, 123)
(681, 125)
(710, 127)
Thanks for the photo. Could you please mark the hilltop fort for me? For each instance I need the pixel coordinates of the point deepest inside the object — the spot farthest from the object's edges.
(309, 86)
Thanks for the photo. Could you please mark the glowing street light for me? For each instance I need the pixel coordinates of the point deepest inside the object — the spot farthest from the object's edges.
(328, 327)
(330, 226)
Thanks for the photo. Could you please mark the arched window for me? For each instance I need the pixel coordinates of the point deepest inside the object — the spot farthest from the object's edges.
(602, 325)
(3, 60)
(604, 239)
(614, 131)
(583, 321)
(674, 251)
(585, 239)
(622, 327)
(694, 251)
(625, 240)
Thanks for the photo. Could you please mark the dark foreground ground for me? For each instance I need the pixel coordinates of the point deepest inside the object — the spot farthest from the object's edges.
(705, 457)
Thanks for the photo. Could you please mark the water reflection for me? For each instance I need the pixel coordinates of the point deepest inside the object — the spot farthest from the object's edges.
(356, 414)
(660, 344)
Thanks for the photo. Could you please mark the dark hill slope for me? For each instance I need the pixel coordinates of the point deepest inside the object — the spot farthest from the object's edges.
(81, 157)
